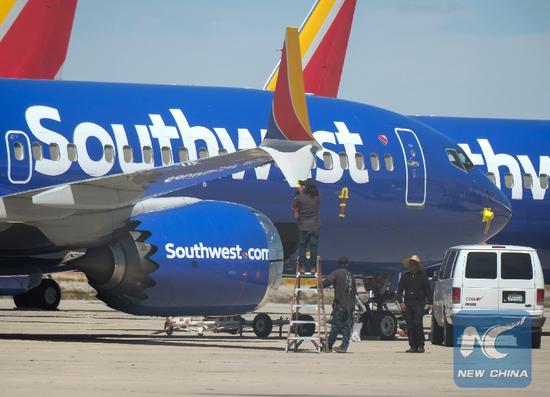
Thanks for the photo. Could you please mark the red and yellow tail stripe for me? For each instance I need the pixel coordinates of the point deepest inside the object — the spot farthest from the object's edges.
(324, 38)
(34, 37)
(290, 119)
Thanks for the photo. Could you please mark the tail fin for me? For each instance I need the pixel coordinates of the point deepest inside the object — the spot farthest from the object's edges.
(34, 37)
(324, 39)
(289, 139)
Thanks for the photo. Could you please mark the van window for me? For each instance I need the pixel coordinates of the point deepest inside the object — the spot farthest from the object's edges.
(448, 271)
(516, 266)
(481, 265)
(443, 264)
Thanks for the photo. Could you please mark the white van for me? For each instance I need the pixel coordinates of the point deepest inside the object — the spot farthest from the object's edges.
(487, 277)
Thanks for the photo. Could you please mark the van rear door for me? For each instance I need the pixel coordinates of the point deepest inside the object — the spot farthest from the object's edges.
(480, 285)
(517, 281)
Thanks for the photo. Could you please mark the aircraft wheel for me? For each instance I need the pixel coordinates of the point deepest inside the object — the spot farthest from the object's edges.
(306, 329)
(262, 325)
(46, 296)
(385, 325)
(436, 334)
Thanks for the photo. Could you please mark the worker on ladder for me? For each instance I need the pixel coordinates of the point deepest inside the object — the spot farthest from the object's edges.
(344, 302)
(306, 206)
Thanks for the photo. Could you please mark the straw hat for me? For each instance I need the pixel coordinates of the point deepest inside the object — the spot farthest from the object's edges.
(414, 258)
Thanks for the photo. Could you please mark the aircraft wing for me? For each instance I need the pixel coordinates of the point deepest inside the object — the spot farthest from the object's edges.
(289, 143)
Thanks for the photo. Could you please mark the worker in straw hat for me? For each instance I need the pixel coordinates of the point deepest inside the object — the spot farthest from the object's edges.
(413, 293)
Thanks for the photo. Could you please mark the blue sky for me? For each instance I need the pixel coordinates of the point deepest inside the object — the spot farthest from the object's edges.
(482, 58)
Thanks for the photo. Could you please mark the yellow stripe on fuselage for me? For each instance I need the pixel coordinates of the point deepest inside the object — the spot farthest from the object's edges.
(308, 32)
(5, 8)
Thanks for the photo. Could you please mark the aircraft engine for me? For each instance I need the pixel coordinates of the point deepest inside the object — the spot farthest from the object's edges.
(205, 258)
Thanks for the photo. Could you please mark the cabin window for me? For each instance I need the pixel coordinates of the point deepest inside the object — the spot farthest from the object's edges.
(37, 151)
(109, 152)
(166, 155)
(147, 154)
(203, 153)
(128, 154)
(222, 151)
(388, 161)
(360, 161)
(491, 177)
(327, 160)
(527, 181)
(374, 162)
(509, 180)
(343, 161)
(54, 151)
(71, 152)
(18, 151)
(183, 154)
(543, 181)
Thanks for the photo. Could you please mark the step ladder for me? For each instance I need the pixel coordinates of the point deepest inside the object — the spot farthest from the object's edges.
(298, 309)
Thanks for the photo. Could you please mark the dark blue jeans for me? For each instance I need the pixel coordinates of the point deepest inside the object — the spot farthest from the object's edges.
(414, 314)
(340, 320)
(308, 239)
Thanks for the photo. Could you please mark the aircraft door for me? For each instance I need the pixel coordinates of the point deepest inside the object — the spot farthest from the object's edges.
(415, 173)
(18, 147)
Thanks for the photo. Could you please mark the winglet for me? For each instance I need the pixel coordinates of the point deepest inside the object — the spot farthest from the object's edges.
(289, 139)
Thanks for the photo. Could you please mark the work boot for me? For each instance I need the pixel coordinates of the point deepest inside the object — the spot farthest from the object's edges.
(420, 349)
(339, 349)
(411, 350)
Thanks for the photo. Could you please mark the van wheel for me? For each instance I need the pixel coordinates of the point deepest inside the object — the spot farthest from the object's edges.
(436, 335)
(536, 338)
(447, 333)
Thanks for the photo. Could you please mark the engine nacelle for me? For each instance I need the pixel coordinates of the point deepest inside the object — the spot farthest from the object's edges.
(205, 258)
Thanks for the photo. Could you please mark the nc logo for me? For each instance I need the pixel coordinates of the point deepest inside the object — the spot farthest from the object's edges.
(487, 340)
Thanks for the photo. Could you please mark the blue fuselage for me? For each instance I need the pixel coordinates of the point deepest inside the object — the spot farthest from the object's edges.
(403, 195)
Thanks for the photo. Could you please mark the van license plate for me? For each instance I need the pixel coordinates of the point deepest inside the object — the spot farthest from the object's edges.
(513, 297)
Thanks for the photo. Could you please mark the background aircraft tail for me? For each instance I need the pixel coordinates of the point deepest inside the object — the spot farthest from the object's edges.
(324, 39)
(34, 37)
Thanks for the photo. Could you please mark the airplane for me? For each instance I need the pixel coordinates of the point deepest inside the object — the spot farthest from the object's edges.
(34, 37)
(89, 167)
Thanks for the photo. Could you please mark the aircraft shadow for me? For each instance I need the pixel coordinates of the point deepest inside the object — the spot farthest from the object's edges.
(149, 340)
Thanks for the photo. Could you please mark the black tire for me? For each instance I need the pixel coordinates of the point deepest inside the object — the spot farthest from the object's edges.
(306, 329)
(46, 296)
(436, 334)
(385, 325)
(447, 333)
(262, 325)
(535, 342)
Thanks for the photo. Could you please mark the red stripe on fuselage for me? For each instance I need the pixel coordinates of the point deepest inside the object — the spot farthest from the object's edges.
(36, 44)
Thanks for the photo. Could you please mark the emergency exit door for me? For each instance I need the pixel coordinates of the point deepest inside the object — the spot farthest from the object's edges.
(18, 147)
(415, 167)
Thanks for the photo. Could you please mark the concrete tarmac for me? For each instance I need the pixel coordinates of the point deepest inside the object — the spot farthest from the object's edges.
(87, 349)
